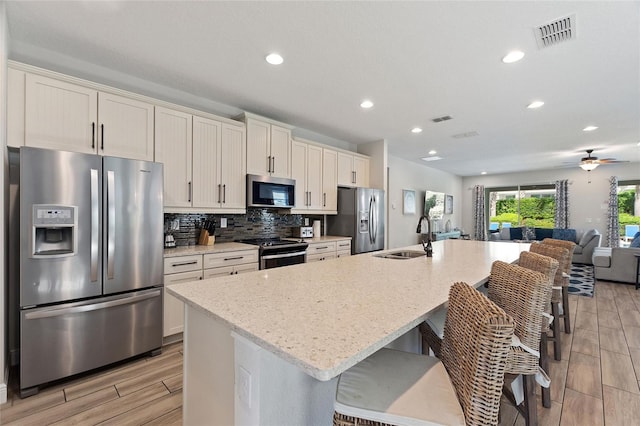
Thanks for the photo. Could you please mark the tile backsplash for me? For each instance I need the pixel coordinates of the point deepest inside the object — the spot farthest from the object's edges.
(257, 223)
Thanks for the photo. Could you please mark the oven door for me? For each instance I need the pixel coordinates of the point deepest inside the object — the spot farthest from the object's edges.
(276, 260)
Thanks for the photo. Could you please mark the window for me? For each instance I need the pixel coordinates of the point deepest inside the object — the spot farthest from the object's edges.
(530, 205)
(628, 209)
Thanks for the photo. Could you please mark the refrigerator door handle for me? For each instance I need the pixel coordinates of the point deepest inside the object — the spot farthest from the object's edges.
(374, 218)
(371, 236)
(95, 225)
(111, 222)
(48, 313)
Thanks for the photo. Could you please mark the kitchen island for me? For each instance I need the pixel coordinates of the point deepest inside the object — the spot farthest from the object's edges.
(266, 347)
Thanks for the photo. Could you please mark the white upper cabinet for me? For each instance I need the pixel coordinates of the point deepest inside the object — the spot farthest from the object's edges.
(308, 171)
(174, 149)
(70, 117)
(204, 162)
(126, 127)
(268, 149)
(60, 115)
(353, 170)
(233, 169)
(219, 151)
(329, 180)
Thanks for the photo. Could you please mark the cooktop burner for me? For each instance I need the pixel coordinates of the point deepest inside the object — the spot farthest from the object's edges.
(272, 242)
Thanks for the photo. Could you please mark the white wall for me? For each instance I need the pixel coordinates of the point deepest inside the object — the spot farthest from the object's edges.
(588, 191)
(404, 174)
(4, 34)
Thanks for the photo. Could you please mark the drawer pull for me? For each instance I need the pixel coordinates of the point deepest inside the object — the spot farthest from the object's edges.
(233, 258)
(322, 248)
(193, 262)
(344, 245)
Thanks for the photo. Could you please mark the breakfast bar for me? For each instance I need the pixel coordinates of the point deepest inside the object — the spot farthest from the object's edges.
(267, 347)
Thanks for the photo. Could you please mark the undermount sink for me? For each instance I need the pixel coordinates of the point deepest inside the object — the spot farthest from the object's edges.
(401, 254)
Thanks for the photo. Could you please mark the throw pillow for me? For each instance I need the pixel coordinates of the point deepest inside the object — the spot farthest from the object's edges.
(542, 233)
(636, 242)
(564, 234)
(586, 237)
(515, 233)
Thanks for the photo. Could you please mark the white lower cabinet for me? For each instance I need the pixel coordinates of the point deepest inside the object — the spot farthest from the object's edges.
(321, 251)
(230, 263)
(173, 317)
(343, 248)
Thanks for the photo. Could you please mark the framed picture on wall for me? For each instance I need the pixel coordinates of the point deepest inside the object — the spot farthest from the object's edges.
(448, 204)
(408, 201)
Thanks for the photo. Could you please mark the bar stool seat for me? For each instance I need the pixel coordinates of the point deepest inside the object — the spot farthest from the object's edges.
(399, 388)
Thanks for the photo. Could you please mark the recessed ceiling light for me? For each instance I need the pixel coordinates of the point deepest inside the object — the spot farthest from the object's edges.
(483, 173)
(513, 56)
(589, 128)
(535, 104)
(366, 104)
(274, 59)
(431, 158)
(433, 152)
(416, 130)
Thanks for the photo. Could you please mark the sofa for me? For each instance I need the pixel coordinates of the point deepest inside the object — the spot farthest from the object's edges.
(586, 241)
(615, 264)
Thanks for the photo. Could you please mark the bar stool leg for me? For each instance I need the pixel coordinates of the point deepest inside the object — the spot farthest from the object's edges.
(544, 364)
(565, 310)
(557, 342)
(530, 403)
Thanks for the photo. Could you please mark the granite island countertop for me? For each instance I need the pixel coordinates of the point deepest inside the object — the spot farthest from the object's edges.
(325, 317)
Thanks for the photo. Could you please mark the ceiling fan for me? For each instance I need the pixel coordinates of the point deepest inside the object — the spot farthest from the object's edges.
(589, 163)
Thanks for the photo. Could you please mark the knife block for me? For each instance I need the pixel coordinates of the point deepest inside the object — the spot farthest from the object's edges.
(206, 239)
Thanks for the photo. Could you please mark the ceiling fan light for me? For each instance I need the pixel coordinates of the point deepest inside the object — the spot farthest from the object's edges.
(588, 165)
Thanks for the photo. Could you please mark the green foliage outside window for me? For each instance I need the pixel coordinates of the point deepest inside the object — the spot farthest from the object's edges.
(534, 212)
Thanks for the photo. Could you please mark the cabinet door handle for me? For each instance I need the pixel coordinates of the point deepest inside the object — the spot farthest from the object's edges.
(353, 177)
(93, 134)
(193, 262)
(189, 200)
(273, 164)
(324, 199)
(233, 258)
(219, 192)
(102, 137)
(224, 194)
(269, 164)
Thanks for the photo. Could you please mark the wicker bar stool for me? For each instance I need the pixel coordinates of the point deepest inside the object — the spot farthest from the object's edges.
(522, 293)
(560, 254)
(463, 387)
(569, 245)
(548, 267)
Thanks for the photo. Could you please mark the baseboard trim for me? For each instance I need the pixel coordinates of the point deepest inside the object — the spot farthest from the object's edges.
(3, 387)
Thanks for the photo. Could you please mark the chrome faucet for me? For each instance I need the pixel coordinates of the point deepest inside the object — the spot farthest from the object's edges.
(427, 247)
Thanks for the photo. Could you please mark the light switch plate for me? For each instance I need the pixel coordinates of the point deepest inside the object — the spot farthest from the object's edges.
(223, 222)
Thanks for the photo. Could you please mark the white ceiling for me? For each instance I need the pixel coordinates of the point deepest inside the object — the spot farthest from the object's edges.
(414, 60)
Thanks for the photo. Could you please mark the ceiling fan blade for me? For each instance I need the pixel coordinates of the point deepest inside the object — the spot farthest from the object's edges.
(611, 161)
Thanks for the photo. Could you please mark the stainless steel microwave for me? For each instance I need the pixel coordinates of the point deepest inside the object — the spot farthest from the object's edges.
(267, 191)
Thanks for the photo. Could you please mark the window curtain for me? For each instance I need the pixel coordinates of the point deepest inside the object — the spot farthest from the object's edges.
(613, 225)
(480, 227)
(562, 204)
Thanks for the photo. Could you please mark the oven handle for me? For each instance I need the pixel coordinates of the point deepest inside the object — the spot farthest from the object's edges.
(283, 255)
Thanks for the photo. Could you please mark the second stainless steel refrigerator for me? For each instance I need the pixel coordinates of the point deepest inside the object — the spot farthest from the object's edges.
(91, 262)
(361, 217)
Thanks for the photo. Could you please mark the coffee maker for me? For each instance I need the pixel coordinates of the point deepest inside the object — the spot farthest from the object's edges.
(169, 228)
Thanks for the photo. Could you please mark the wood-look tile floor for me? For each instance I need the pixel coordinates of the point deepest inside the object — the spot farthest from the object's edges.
(596, 383)
(145, 391)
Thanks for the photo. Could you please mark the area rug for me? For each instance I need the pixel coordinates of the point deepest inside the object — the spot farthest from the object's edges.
(582, 280)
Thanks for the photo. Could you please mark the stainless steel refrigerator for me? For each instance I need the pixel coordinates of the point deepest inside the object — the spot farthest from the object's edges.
(91, 262)
(361, 217)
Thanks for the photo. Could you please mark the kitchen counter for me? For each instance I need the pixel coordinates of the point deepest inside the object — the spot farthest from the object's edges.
(318, 318)
(323, 239)
(216, 248)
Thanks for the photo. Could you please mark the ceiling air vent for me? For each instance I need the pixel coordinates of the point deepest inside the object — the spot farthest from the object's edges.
(465, 135)
(443, 118)
(558, 31)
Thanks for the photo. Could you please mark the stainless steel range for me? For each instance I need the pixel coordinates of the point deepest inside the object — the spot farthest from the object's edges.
(275, 252)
